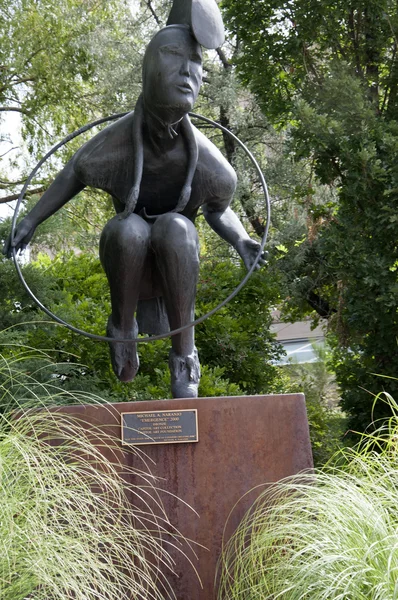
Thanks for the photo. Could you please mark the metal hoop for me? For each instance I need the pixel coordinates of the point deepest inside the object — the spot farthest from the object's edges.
(151, 338)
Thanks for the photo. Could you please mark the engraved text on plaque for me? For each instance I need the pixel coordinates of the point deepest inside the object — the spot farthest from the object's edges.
(160, 427)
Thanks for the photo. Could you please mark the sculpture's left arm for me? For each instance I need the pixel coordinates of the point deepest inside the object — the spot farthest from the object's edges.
(226, 223)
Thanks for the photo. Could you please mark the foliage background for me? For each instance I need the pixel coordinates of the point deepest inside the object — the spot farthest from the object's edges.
(327, 73)
(87, 64)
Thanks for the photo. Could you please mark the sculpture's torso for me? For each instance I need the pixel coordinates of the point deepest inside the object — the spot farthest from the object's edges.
(107, 162)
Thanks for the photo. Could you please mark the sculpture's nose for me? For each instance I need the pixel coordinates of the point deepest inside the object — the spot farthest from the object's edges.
(185, 68)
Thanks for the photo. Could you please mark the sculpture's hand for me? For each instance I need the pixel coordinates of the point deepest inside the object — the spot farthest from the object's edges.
(248, 249)
(23, 234)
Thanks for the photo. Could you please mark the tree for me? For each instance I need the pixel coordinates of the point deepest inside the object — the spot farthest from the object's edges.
(110, 87)
(330, 71)
(48, 71)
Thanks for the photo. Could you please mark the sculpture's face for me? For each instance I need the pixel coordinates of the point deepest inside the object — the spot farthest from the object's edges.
(172, 71)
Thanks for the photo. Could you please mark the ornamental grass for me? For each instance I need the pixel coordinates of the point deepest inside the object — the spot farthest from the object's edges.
(330, 535)
(68, 528)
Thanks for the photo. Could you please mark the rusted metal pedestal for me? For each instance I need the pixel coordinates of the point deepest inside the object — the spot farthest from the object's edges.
(244, 442)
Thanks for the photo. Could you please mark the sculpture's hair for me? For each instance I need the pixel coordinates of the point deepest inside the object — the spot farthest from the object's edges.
(138, 155)
(138, 146)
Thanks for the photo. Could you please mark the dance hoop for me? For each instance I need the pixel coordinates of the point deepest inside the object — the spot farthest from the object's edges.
(197, 321)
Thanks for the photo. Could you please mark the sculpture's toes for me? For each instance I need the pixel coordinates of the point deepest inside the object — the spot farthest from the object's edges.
(124, 357)
(185, 374)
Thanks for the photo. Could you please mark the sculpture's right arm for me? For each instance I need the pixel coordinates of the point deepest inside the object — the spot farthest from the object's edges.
(65, 186)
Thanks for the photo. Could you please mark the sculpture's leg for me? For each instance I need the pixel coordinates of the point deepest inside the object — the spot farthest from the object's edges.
(176, 246)
(123, 249)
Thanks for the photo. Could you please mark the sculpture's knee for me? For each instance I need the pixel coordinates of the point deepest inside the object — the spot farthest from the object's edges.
(175, 232)
(129, 235)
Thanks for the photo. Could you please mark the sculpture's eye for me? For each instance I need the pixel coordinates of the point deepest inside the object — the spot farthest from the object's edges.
(173, 50)
(196, 58)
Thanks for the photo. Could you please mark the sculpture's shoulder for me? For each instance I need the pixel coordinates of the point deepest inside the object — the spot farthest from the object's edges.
(108, 155)
(214, 170)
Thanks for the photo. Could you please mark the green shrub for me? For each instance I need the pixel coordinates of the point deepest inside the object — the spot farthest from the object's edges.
(326, 421)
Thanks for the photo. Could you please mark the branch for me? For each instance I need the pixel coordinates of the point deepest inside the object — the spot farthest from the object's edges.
(390, 92)
(7, 183)
(391, 28)
(321, 306)
(308, 63)
(12, 83)
(225, 62)
(33, 54)
(13, 109)
(13, 99)
(149, 5)
(255, 221)
(24, 112)
(229, 142)
(6, 152)
(22, 80)
(237, 47)
(354, 36)
(12, 197)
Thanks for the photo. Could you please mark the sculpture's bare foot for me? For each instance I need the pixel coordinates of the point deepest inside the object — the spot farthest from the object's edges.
(185, 374)
(124, 357)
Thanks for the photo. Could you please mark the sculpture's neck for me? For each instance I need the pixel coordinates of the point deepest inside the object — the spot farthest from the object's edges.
(160, 128)
(163, 122)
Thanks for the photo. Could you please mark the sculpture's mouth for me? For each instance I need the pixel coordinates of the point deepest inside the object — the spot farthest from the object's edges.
(184, 87)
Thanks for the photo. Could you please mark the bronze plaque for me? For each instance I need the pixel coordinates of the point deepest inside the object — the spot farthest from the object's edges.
(160, 427)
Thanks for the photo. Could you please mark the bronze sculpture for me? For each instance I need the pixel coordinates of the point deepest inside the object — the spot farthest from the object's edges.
(159, 170)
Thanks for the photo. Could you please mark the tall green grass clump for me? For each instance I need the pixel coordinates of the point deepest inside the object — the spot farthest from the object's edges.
(331, 535)
(68, 526)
